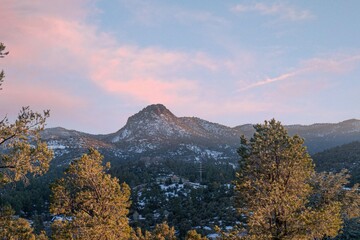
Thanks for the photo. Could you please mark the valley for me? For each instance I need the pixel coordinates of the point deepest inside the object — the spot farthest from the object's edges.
(180, 169)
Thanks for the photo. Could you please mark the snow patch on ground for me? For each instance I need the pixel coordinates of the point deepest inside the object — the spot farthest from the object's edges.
(53, 144)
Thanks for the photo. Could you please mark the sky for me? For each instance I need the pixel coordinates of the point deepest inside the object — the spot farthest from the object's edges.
(95, 63)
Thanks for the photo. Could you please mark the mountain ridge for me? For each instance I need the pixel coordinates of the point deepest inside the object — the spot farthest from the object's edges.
(156, 132)
(160, 109)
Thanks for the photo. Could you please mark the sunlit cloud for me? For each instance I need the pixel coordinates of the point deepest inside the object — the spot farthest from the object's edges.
(98, 56)
(150, 74)
(152, 90)
(281, 10)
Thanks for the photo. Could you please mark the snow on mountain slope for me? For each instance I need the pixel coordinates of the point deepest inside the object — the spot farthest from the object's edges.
(155, 132)
(156, 123)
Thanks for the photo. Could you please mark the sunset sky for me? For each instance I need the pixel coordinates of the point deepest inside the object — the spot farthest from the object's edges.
(95, 63)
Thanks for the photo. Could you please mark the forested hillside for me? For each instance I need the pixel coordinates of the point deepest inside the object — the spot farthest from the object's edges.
(335, 159)
(189, 195)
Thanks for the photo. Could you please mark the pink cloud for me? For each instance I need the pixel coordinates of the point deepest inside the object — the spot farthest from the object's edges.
(43, 94)
(152, 90)
(52, 40)
(39, 98)
(150, 74)
(53, 48)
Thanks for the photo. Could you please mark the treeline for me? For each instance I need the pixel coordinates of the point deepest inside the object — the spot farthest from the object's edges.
(278, 195)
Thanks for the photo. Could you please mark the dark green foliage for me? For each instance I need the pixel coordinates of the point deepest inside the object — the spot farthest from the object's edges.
(202, 206)
(335, 159)
(33, 197)
(146, 171)
(351, 230)
(211, 202)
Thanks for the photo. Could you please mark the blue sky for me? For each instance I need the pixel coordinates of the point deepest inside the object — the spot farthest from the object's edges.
(95, 63)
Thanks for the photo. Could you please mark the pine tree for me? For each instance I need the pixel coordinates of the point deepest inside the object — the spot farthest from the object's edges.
(2, 54)
(93, 204)
(163, 232)
(331, 188)
(273, 188)
(138, 234)
(14, 228)
(23, 151)
(193, 235)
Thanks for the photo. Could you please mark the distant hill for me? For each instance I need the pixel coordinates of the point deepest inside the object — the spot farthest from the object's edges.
(337, 158)
(321, 136)
(155, 132)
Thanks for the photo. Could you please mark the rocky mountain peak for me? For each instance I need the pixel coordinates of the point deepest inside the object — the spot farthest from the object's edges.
(157, 109)
(151, 123)
(151, 112)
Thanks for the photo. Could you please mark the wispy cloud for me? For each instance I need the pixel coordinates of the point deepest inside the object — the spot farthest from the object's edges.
(269, 81)
(334, 65)
(281, 10)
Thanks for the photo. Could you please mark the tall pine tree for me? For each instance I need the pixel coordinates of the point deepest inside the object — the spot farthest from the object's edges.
(92, 203)
(273, 188)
